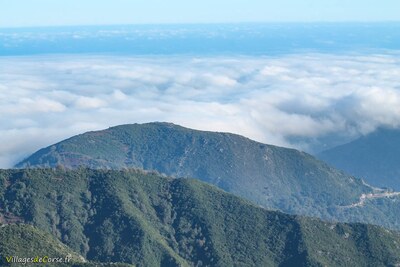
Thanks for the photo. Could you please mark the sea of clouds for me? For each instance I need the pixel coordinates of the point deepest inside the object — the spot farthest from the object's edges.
(305, 101)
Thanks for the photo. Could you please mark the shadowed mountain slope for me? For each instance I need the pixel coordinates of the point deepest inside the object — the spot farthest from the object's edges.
(374, 157)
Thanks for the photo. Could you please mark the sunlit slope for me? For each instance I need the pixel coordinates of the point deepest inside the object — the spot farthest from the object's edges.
(19, 241)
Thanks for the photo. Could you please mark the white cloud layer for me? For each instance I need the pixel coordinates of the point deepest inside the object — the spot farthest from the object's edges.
(299, 101)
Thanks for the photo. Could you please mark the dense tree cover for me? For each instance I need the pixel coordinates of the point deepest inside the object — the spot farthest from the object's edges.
(147, 219)
(273, 177)
(25, 241)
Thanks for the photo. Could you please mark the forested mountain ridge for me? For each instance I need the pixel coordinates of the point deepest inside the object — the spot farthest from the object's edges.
(274, 177)
(145, 219)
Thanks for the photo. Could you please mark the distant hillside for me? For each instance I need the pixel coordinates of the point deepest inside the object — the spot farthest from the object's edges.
(374, 157)
(133, 217)
(274, 177)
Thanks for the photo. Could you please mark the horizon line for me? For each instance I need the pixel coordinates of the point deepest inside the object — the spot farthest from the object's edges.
(201, 23)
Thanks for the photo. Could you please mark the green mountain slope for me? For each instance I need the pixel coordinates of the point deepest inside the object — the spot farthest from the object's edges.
(18, 242)
(27, 241)
(274, 177)
(148, 220)
(374, 157)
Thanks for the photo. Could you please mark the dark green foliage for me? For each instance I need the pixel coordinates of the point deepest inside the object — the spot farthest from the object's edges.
(374, 157)
(148, 220)
(275, 178)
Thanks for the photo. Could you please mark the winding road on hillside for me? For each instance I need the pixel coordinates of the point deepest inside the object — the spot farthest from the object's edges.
(377, 193)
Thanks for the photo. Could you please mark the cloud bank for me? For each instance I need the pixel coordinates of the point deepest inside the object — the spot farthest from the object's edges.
(308, 101)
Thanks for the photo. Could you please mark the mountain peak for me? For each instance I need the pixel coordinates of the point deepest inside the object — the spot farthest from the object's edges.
(273, 177)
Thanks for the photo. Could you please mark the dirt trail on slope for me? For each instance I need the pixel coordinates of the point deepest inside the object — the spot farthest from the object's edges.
(377, 193)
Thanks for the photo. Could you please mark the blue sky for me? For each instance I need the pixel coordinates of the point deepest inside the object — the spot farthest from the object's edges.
(22, 13)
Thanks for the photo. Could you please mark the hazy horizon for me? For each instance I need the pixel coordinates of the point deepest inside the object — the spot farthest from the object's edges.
(90, 12)
(397, 21)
